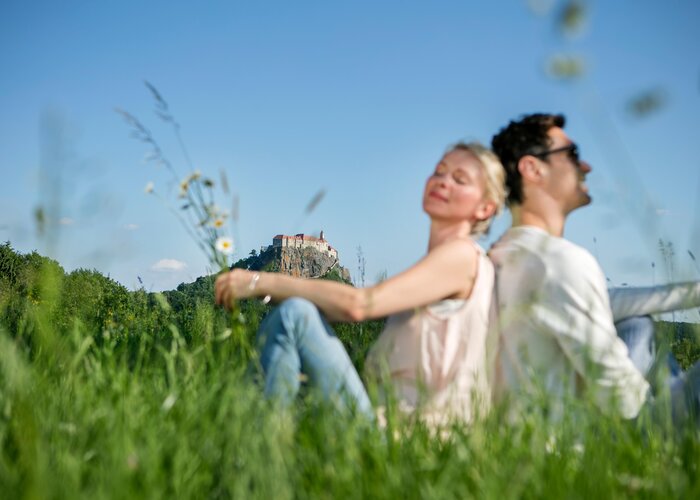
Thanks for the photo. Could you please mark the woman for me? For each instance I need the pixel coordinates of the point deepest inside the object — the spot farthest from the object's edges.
(433, 347)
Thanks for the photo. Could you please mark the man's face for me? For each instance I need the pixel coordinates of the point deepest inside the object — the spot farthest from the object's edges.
(565, 177)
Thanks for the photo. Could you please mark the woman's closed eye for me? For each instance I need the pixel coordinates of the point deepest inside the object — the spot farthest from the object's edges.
(460, 177)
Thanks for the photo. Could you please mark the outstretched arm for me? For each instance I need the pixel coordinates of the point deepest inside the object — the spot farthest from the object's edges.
(446, 271)
(627, 302)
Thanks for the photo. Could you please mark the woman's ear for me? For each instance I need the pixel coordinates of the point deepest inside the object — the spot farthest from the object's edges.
(486, 210)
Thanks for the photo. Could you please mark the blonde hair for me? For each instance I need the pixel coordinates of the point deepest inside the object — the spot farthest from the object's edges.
(495, 177)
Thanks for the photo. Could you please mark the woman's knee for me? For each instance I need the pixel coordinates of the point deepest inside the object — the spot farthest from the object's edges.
(298, 315)
(291, 318)
(297, 306)
(289, 308)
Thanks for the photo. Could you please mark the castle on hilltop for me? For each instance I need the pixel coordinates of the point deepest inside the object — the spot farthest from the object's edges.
(301, 255)
(305, 241)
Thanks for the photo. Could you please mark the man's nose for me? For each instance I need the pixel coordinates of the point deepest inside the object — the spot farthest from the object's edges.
(585, 167)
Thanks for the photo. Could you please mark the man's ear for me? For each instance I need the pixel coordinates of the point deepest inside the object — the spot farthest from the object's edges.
(530, 168)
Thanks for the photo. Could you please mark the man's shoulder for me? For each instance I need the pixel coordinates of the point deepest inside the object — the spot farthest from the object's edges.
(542, 253)
(555, 279)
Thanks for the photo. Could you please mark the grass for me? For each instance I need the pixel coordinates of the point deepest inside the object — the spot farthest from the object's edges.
(168, 409)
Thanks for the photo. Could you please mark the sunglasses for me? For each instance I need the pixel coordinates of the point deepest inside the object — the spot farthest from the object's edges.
(571, 150)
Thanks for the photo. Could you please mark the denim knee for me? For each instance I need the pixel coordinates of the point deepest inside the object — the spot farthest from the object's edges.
(290, 319)
(297, 306)
(288, 309)
(636, 329)
(636, 323)
(297, 314)
(638, 334)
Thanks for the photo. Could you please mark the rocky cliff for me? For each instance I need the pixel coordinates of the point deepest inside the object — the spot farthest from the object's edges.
(299, 262)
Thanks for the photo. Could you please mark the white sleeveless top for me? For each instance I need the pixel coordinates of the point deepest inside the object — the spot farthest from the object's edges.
(435, 358)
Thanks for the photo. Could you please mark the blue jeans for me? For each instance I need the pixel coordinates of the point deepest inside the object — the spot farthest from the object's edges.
(638, 333)
(295, 339)
(684, 387)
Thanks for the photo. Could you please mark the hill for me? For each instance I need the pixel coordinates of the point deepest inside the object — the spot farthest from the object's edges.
(305, 262)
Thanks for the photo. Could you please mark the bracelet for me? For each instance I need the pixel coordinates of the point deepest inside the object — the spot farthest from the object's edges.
(253, 283)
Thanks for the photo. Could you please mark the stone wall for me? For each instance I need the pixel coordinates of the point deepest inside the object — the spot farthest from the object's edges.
(295, 242)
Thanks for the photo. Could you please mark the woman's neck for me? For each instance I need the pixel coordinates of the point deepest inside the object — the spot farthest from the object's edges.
(442, 232)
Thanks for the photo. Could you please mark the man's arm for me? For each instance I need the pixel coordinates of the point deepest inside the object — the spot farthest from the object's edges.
(628, 302)
(579, 316)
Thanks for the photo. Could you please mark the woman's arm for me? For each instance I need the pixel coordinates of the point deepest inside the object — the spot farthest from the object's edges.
(447, 271)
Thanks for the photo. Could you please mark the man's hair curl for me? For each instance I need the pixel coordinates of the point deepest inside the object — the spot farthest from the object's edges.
(519, 138)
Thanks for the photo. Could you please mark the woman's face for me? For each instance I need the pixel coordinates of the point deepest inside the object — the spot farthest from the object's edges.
(455, 191)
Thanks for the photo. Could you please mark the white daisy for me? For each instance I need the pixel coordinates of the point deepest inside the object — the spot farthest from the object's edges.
(224, 245)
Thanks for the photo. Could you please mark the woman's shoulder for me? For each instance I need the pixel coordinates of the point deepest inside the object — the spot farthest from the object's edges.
(473, 252)
(460, 248)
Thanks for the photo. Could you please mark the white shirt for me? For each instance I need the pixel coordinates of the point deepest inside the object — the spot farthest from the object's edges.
(557, 327)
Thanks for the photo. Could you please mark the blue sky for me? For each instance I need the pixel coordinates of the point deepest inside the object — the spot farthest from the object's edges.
(357, 98)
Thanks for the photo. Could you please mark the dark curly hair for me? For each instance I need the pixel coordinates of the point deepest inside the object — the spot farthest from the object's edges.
(519, 138)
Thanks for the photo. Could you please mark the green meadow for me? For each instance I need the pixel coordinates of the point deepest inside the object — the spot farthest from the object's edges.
(110, 393)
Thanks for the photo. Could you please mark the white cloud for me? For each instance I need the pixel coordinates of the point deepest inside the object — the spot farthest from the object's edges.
(66, 221)
(168, 265)
(131, 227)
(663, 211)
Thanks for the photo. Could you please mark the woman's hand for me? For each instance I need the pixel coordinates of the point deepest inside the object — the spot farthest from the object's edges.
(235, 284)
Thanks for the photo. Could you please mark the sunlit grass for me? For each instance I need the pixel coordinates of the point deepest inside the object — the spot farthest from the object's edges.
(152, 400)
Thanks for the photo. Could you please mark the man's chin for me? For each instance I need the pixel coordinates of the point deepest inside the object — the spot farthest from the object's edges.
(586, 199)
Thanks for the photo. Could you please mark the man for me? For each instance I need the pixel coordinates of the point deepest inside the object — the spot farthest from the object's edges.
(556, 317)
